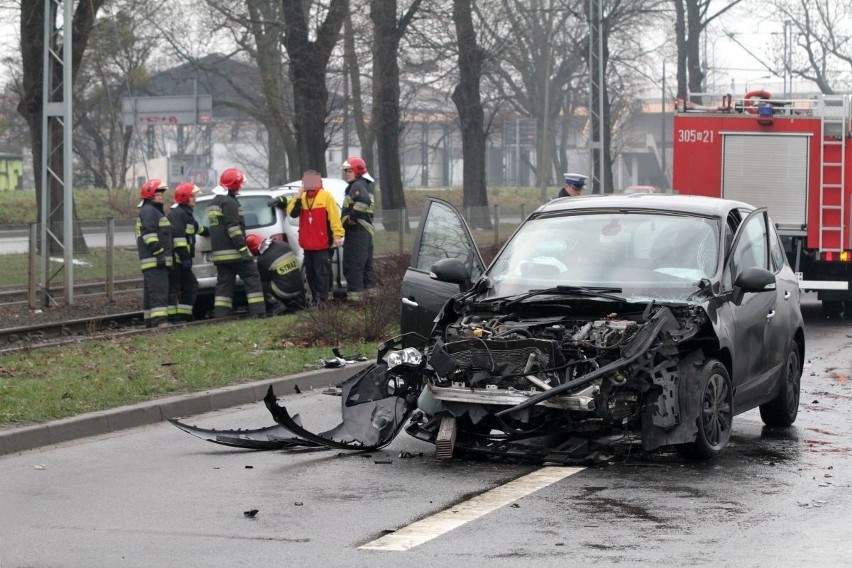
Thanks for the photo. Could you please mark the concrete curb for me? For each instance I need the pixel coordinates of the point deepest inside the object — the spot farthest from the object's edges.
(103, 422)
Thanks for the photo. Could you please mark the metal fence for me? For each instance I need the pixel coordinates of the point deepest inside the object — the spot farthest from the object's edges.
(107, 265)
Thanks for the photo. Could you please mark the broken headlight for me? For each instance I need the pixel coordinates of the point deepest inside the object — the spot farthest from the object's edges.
(407, 356)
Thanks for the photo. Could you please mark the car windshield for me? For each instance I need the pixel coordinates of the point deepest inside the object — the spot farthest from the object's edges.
(648, 255)
(255, 211)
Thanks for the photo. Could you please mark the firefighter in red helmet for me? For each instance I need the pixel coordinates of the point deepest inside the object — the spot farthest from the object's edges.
(279, 273)
(154, 244)
(357, 218)
(183, 285)
(230, 253)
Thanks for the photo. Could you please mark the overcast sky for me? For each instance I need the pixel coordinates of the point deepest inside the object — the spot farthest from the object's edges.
(727, 59)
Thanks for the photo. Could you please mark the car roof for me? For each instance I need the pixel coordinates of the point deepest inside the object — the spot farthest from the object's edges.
(691, 204)
(336, 186)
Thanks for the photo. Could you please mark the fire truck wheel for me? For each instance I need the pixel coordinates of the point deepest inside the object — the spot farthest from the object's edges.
(833, 309)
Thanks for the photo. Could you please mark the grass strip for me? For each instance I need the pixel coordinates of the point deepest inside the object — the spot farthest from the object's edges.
(59, 382)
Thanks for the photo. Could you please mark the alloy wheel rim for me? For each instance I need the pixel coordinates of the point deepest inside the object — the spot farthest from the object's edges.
(716, 414)
(793, 381)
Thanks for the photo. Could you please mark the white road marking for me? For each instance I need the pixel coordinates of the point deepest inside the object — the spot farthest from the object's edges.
(434, 526)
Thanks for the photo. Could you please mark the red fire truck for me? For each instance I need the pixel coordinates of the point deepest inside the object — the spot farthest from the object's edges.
(789, 156)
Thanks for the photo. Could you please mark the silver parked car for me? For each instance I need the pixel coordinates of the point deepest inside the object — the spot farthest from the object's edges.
(268, 222)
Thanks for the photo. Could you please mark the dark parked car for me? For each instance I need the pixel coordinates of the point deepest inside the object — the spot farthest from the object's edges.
(650, 319)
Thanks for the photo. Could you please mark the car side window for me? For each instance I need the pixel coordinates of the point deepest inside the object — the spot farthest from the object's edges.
(256, 213)
(776, 250)
(444, 237)
(751, 250)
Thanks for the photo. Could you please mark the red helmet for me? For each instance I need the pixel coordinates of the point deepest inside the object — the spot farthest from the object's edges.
(152, 187)
(359, 166)
(253, 243)
(232, 178)
(184, 191)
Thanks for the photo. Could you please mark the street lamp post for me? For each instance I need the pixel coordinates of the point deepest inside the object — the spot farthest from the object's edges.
(753, 79)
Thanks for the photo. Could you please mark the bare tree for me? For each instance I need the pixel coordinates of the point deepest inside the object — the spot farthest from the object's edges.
(388, 31)
(692, 19)
(820, 43)
(541, 54)
(116, 65)
(308, 66)
(354, 66)
(249, 30)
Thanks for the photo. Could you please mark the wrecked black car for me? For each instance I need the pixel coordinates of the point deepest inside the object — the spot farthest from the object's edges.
(604, 321)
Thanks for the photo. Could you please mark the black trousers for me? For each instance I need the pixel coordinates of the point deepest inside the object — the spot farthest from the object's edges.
(319, 273)
(155, 301)
(358, 259)
(226, 281)
(183, 289)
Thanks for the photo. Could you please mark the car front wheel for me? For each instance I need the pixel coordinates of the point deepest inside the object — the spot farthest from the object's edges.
(783, 409)
(716, 413)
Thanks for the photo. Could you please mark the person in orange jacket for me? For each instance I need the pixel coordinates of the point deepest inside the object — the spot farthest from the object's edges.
(319, 229)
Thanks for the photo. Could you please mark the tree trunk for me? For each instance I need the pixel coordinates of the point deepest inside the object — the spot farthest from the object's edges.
(266, 28)
(694, 25)
(680, 40)
(308, 65)
(387, 33)
(468, 101)
(366, 137)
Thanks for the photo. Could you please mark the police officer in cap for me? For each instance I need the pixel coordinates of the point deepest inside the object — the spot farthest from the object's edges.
(574, 184)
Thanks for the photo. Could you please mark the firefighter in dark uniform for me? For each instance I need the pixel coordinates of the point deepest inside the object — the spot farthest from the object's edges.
(183, 285)
(154, 244)
(357, 218)
(230, 253)
(279, 273)
(574, 184)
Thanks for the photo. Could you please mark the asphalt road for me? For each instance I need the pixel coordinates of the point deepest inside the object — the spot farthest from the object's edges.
(154, 496)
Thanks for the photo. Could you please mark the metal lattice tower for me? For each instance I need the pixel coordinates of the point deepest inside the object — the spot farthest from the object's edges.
(596, 99)
(56, 138)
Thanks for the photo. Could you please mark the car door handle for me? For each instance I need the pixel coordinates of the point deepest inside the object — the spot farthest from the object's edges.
(770, 315)
(410, 303)
(787, 295)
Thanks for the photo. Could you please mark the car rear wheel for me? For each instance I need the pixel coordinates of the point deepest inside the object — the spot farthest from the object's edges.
(716, 413)
(783, 409)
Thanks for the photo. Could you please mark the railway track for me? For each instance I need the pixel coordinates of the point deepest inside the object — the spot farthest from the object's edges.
(72, 331)
(18, 296)
(57, 333)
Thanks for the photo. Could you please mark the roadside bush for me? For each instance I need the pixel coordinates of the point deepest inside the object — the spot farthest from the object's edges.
(374, 318)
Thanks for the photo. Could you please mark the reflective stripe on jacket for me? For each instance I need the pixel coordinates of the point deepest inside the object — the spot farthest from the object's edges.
(279, 266)
(153, 236)
(358, 206)
(227, 229)
(184, 230)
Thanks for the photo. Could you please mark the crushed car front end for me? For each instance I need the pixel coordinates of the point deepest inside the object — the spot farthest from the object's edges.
(540, 386)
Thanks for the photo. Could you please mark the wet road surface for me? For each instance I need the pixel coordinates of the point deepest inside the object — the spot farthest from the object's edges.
(155, 496)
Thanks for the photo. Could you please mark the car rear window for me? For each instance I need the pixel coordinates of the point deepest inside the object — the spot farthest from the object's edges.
(255, 211)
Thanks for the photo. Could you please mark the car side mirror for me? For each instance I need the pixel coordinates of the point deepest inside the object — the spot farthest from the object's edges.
(451, 270)
(753, 279)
